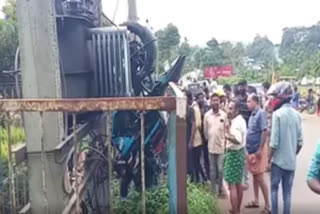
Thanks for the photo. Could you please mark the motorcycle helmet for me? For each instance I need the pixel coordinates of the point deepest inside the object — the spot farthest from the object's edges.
(280, 94)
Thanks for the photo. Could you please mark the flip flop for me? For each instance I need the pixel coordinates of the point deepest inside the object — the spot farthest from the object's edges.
(252, 204)
(265, 211)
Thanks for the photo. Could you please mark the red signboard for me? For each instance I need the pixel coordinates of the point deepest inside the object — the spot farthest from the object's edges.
(213, 72)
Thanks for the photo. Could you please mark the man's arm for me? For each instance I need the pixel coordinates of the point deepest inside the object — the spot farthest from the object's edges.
(193, 129)
(300, 136)
(275, 135)
(263, 128)
(205, 126)
(314, 185)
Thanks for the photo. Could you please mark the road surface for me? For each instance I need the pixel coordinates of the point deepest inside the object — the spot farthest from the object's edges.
(303, 200)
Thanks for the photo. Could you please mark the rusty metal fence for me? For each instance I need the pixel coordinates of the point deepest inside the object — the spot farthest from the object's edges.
(175, 105)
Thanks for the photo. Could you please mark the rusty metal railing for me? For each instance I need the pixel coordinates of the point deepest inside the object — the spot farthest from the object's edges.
(175, 105)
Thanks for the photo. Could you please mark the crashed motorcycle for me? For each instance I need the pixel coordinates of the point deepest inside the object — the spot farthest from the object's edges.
(126, 130)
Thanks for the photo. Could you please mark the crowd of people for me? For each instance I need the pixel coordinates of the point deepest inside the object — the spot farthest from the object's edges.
(236, 131)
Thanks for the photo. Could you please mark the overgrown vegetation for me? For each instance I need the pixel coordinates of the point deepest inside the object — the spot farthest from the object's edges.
(200, 200)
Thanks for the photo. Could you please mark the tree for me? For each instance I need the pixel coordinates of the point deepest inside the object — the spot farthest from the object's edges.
(168, 41)
(186, 50)
(213, 54)
(8, 36)
(9, 9)
(262, 50)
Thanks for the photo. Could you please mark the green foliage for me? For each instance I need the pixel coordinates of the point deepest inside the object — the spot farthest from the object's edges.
(262, 50)
(200, 200)
(9, 9)
(300, 50)
(17, 136)
(168, 43)
(8, 36)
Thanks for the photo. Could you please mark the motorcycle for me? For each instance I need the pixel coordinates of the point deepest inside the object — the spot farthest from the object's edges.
(308, 105)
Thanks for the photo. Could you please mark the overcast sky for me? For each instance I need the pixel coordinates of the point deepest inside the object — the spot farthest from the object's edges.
(235, 20)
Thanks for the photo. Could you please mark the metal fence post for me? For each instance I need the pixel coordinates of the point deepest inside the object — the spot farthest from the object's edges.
(143, 183)
(177, 155)
(109, 144)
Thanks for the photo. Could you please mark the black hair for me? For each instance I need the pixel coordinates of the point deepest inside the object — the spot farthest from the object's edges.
(214, 95)
(206, 90)
(252, 89)
(237, 104)
(199, 94)
(227, 87)
(266, 85)
(255, 97)
(243, 82)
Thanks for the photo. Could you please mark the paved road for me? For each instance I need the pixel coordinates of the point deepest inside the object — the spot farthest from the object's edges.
(303, 200)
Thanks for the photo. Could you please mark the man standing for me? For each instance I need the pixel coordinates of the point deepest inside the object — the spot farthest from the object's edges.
(295, 98)
(234, 160)
(195, 143)
(242, 98)
(190, 121)
(228, 91)
(215, 121)
(286, 142)
(204, 107)
(257, 157)
(264, 98)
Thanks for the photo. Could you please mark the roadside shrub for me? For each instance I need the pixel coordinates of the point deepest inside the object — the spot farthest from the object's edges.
(200, 200)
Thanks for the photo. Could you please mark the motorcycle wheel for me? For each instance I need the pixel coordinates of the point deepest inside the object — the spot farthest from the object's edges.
(312, 109)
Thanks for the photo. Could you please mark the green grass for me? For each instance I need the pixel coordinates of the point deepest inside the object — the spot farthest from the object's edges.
(200, 200)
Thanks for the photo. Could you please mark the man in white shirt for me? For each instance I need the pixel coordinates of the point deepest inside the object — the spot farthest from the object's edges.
(215, 121)
(235, 155)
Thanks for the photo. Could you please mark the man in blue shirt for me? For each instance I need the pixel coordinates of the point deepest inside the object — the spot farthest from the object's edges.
(295, 98)
(286, 143)
(257, 151)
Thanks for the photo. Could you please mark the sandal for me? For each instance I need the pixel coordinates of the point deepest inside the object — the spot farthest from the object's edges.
(252, 204)
(266, 211)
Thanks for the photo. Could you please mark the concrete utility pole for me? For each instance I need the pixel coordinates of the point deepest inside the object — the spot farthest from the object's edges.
(41, 79)
(132, 11)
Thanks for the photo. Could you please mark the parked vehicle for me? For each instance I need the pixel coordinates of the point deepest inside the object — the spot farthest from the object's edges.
(308, 105)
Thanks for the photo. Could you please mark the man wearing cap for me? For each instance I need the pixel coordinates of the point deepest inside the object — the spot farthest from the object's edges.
(286, 142)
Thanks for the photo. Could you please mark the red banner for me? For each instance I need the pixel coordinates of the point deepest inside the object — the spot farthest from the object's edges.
(212, 72)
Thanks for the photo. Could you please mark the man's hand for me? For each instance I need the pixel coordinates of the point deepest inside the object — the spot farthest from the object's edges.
(258, 153)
